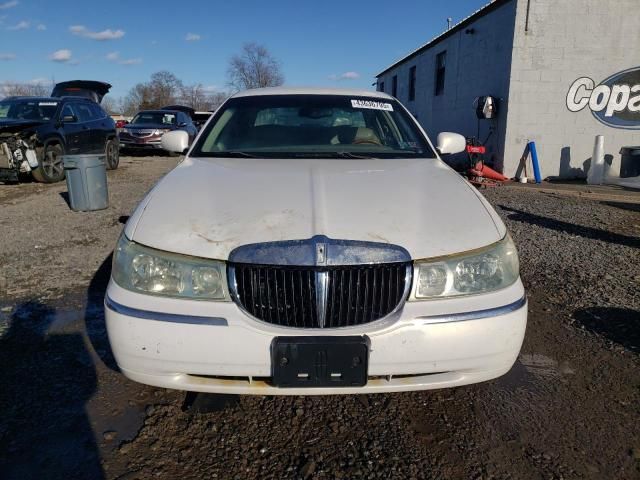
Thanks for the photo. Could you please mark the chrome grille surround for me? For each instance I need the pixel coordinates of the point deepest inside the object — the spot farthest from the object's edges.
(320, 282)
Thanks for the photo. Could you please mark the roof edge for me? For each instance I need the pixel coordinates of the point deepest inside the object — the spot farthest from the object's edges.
(481, 12)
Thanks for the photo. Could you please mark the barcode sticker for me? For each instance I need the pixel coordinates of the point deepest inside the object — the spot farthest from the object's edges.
(372, 105)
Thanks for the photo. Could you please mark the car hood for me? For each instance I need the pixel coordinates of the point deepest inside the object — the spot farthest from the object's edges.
(208, 207)
(13, 126)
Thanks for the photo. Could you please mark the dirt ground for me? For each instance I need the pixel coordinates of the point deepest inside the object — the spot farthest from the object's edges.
(569, 409)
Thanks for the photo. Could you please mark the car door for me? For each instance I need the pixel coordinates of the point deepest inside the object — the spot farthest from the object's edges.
(70, 129)
(87, 142)
(101, 127)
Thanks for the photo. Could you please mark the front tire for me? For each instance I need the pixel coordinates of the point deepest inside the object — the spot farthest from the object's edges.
(50, 169)
(112, 154)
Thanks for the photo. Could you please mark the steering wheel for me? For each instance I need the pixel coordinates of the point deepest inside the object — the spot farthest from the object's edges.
(366, 141)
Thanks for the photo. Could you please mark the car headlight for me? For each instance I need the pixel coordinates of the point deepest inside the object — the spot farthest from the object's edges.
(146, 270)
(485, 270)
(161, 131)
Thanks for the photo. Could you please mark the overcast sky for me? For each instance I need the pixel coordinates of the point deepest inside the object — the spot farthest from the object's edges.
(320, 43)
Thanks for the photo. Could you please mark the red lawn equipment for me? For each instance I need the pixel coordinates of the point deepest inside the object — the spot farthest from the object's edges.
(487, 108)
(477, 172)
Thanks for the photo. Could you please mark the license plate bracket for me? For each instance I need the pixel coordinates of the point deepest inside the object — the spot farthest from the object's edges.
(314, 362)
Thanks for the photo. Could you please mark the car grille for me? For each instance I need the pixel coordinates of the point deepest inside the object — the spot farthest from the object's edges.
(141, 133)
(320, 297)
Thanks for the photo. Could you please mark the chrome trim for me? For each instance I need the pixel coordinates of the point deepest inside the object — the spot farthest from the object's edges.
(233, 289)
(322, 293)
(475, 315)
(307, 253)
(161, 316)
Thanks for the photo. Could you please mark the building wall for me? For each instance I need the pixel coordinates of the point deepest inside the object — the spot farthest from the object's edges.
(567, 40)
(477, 64)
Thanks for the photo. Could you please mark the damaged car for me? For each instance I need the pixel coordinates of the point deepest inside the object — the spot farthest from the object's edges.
(36, 132)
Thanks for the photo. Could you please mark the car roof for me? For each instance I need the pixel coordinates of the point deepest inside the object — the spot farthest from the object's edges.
(38, 99)
(312, 91)
(47, 99)
(160, 110)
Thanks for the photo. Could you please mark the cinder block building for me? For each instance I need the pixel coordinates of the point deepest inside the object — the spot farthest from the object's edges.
(528, 54)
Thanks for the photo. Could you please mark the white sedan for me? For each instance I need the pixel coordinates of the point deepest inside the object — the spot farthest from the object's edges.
(313, 242)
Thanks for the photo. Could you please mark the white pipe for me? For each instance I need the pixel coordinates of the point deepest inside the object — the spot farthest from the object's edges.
(596, 172)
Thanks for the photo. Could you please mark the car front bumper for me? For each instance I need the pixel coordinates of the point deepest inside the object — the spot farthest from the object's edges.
(140, 144)
(215, 347)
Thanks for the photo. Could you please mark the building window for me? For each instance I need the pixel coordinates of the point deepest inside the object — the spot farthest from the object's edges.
(394, 86)
(381, 87)
(441, 63)
(412, 83)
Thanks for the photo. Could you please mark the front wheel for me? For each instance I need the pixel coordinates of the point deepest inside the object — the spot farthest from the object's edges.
(50, 169)
(112, 154)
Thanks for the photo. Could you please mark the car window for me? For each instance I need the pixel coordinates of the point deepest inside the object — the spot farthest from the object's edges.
(67, 111)
(313, 125)
(164, 118)
(184, 118)
(98, 112)
(84, 112)
(28, 109)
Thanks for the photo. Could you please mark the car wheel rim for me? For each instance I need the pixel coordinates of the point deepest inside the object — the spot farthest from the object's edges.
(52, 164)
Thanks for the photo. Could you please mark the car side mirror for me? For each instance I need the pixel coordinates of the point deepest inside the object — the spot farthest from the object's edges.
(449, 143)
(176, 141)
(69, 119)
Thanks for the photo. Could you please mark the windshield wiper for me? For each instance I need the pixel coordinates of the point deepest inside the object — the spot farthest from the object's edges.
(353, 155)
(234, 154)
(340, 154)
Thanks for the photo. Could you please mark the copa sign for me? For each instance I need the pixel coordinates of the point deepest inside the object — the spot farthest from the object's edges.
(614, 102)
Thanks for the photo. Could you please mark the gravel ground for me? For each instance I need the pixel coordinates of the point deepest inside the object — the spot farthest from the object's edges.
(570, 407)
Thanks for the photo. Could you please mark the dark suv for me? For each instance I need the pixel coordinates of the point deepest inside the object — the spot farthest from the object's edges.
(36, 132)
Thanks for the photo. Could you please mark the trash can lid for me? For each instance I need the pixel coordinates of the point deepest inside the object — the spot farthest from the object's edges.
(88, 160)
(630, 150)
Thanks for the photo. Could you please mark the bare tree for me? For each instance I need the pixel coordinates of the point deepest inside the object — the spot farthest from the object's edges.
(9, 89)
(195, 96)
(138, 98)
(201, 99)
(111, 105)
(163, 89)
(216, 99)
(254, 67)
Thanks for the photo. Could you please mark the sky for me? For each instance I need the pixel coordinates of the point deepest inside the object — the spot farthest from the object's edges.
(339, 43)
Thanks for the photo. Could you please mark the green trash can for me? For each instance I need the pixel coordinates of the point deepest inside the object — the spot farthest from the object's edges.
(86, 182)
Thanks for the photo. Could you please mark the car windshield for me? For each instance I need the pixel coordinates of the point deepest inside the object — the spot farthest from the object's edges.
(28, 109)
(323, 126)
(162, 118)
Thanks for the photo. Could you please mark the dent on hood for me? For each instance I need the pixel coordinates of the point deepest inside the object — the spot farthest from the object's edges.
(229, 232)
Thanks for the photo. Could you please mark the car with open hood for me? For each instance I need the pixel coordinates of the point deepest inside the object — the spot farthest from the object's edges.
(36, 132)
(145, 130)
(312, 241)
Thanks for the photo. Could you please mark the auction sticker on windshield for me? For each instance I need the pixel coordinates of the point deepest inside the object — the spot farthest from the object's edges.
(372, 105)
